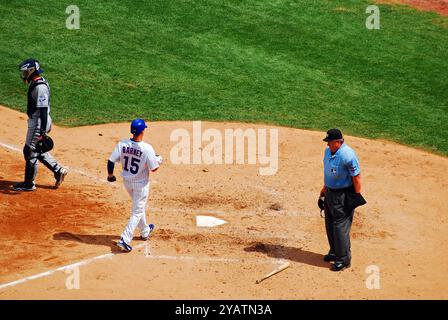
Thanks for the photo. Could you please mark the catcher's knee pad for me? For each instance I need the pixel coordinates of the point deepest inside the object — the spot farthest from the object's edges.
(26, 152)
(29, 156)
(32, 161)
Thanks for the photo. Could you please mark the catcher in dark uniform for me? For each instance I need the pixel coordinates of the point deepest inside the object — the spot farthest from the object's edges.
(38, 143)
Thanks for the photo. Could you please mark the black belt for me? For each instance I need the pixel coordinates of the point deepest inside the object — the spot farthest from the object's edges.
(351, 188)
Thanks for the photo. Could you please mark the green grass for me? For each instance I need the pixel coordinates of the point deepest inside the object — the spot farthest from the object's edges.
(303, 64)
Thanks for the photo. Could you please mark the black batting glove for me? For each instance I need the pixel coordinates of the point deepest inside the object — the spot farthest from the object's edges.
(321, 202)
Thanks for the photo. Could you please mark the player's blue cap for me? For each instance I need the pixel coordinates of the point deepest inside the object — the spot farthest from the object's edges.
(137, 126)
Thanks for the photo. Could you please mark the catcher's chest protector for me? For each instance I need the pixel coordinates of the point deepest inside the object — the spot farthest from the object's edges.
(32, 104)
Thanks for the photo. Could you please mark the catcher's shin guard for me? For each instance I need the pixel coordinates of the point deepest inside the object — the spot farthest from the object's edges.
(48, 161)
(31, 164)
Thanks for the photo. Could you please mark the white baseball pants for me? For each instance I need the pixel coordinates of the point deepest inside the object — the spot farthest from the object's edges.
(139, 192)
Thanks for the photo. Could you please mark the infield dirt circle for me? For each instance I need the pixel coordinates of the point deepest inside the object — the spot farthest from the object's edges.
(401, 233)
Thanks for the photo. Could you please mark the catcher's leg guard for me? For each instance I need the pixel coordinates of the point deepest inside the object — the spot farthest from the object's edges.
(31, 164)
(50, 162)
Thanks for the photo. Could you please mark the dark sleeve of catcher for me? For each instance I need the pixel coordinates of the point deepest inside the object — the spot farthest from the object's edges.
(43, 118)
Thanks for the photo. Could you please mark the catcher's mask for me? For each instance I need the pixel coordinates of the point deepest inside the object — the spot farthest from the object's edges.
(29, 68)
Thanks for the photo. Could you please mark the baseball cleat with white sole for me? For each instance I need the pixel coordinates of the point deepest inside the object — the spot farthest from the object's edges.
(151, 229)
(124, 246)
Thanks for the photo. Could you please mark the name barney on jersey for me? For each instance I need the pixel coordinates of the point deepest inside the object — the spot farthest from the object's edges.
(132, 151)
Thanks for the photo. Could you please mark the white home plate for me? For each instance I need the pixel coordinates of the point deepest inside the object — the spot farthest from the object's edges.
(207, 221)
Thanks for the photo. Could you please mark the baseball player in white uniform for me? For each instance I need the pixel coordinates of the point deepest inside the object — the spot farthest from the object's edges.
(138, 159)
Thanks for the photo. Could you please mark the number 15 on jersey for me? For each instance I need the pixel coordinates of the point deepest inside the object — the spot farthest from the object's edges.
(134, 165)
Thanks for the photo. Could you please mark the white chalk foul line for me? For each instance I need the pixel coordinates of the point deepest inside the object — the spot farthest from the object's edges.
(7, 146)
(50, 272)
(213, 259)
(63, 268)
(147, 255)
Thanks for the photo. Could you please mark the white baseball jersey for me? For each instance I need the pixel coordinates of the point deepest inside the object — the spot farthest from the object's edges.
(137, 159)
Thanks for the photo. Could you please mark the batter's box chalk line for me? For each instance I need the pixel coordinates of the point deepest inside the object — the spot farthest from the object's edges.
(148, 254)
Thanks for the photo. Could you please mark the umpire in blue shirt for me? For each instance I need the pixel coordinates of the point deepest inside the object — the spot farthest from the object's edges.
(339, 197)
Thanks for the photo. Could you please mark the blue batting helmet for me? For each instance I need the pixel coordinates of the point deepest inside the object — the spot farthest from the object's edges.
(137, 126)
(28, 68)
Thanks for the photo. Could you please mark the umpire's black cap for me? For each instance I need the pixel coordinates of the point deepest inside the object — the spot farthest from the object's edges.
(333, 134)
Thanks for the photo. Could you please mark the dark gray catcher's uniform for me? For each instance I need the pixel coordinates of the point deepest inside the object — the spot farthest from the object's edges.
(39, 121)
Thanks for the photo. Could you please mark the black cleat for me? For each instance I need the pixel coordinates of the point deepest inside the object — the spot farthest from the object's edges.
(339, 266)
(24, 186)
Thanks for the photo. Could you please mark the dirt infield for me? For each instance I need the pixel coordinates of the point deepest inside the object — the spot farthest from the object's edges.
(271, 219)
(439, 6)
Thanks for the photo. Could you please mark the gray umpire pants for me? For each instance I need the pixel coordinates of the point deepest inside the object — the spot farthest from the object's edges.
(32, 158)
(338, 223)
